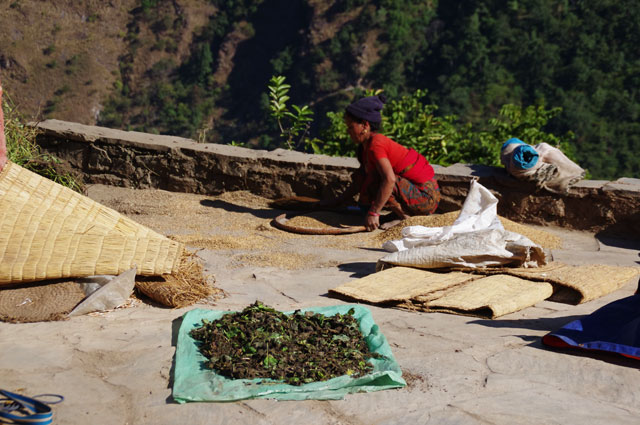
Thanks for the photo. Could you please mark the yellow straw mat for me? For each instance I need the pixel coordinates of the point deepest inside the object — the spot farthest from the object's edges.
(399, 284)
(492, 296)
(48, 231)
(578, 284)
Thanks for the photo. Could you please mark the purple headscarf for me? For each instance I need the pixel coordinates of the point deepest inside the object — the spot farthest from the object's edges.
(368, 108)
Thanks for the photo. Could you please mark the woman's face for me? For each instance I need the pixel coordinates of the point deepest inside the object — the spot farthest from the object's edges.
(358, 131)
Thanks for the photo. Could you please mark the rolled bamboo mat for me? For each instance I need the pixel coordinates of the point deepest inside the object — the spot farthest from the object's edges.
(180, 289)
(48, 231)
(576, 284)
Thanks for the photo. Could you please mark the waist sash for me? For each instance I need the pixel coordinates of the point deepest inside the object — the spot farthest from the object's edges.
(414, 167)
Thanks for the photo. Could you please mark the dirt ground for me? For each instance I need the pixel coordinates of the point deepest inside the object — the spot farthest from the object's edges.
(116, 367)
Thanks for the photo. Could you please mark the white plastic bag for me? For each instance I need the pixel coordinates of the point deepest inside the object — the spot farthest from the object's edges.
(476, 239)
(479, 212)
(111, 293)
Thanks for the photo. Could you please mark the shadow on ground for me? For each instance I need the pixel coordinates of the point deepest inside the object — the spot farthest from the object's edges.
(228, 206)
(358, 269)
(175, 329)
(539, 324)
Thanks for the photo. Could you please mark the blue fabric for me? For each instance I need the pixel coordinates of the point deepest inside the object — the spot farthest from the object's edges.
(525, 157)
(510, 141)
(614, 328)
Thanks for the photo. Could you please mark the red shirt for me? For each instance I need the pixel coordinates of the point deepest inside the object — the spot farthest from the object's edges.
(405, 162)
(383, 147)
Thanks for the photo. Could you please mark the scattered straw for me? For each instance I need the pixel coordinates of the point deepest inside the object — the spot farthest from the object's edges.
(185, 287)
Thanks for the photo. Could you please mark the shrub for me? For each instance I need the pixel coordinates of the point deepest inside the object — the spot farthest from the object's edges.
(445, 140)
(23, 150)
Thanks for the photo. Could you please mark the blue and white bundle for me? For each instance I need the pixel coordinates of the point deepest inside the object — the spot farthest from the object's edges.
(522, 155)
(543, 164)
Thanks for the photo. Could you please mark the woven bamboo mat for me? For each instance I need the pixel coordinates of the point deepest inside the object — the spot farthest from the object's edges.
(48, 231)
(576, 284)
(491, 297)
(502, 291)
(399, 284)
(453, 292)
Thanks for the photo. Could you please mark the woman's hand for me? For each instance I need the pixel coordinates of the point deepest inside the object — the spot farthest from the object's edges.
(372, 222)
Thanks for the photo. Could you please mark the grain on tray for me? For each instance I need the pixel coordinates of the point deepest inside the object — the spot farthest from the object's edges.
(324, 220)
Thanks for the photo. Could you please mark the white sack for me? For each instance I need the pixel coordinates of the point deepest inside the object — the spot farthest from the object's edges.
(476, 239)
(479, 212)
(484, 248)
(568, 172)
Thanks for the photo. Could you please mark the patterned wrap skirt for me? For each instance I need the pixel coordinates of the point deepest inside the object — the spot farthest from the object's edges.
(412, 198)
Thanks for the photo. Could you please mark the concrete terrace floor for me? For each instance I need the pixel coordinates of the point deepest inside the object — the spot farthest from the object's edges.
(116, 367)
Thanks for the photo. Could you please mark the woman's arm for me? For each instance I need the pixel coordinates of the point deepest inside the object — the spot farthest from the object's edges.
(387, 181)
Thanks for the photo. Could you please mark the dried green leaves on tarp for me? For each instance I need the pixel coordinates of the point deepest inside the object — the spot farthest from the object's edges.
(260, 342)
(195, 381)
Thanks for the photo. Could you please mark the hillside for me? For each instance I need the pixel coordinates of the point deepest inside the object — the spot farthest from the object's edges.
(60, 59)
(199, 68)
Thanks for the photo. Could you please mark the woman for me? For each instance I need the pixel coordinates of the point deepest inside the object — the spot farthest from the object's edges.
(390, 176)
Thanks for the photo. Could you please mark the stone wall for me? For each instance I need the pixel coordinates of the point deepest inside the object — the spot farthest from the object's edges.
(141, 160)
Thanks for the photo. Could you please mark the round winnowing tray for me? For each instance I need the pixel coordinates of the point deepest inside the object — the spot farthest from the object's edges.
(36, 302)
(283, 222)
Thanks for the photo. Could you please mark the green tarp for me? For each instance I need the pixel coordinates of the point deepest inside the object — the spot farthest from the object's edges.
(194, 382)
